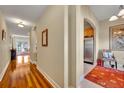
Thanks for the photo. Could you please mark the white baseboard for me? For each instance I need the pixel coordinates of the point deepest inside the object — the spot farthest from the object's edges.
(52, 82)
(33, 61)
(4, 70)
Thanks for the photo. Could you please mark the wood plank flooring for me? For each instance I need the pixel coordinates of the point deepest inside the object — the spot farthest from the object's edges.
(23, 75)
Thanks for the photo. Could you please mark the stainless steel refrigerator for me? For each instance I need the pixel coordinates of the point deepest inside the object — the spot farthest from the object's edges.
(89, 50)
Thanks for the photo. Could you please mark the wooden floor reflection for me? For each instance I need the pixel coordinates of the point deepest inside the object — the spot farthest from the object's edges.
(22, 74)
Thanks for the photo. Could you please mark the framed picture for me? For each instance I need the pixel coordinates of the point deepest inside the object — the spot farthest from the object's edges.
(45, 37)
(3, 35)
(117, 37)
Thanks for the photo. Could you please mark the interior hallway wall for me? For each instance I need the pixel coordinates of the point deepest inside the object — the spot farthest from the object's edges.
(104, 37)
(72, 46)
(33, 46)
(4, 47)
(51, 58)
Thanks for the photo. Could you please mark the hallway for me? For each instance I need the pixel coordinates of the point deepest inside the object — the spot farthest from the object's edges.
(59, 39)
(23, 74)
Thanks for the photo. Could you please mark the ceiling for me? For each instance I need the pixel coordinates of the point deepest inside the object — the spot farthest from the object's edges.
(29, 14)
(103, 12)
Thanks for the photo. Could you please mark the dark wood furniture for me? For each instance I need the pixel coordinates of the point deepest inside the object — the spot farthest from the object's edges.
(13, 54)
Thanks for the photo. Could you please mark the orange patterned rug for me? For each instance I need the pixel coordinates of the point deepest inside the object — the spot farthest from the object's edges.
(106, 77)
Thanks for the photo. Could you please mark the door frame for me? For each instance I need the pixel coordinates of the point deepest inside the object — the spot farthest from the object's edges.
(80, 44)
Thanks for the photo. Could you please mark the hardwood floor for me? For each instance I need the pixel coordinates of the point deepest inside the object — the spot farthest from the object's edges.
(20, 74)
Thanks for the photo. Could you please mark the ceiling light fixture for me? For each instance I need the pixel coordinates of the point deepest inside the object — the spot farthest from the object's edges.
(113, 18)
(120, 14)
(20, 25)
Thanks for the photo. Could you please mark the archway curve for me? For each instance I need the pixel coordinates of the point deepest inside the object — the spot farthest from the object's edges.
(91, 23)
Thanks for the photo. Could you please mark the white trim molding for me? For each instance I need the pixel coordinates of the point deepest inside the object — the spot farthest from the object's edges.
(79, 45)
(4, 71)
(66, 47)
(52, 82)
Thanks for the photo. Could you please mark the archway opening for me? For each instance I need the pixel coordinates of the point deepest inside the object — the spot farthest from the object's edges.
(89, 45)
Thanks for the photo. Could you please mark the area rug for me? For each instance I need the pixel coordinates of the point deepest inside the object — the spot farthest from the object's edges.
(106, 77)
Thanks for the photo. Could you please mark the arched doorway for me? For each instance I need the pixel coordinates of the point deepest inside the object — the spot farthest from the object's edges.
(82, 68)
(89, 45)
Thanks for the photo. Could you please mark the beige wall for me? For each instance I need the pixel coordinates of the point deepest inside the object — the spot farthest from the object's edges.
(72, 46)
(51, 58)
(104, 37)
(4, 47)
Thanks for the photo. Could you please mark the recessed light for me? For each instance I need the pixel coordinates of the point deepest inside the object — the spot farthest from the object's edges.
(121, 13)
(20, 25)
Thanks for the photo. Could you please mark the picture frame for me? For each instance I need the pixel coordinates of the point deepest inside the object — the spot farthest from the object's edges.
(3, 35)
(45, 38)
(116, 37)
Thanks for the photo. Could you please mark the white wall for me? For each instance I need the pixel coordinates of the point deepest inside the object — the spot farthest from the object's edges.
(4, 47)
(104, 37)
(51, 58)
(33, 46)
